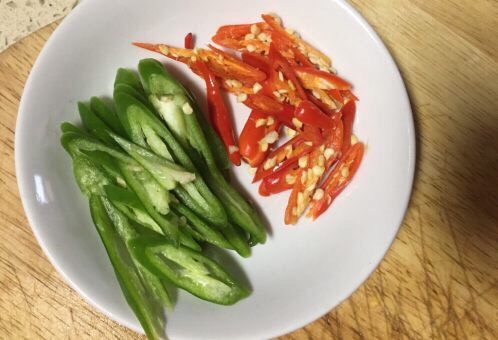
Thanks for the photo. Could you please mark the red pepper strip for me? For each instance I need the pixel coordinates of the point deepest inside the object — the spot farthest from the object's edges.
(308, 178)
(287, 71)
(281, 112)
(257, 61)
(288, 153)
(334, 142)
(233, 36)
(277, 27)
(348, 113)
(278, 182)
(222, 64)
(250, 137)
(189, 41)
(310, 114)
(312, 78)
(337, 180)
(218, 113)
(244, 72)
(323, 106)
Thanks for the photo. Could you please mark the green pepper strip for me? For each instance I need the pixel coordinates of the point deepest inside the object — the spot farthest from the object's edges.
(189, 270)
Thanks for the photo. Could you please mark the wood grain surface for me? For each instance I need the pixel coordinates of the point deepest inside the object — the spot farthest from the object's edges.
(440, 278)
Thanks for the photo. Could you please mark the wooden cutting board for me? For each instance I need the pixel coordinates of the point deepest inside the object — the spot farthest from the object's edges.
(439, 279)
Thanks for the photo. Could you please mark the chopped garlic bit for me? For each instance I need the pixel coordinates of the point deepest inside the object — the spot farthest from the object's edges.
(311, 187)
(270, 121)
(289, 132)
(255, 29)
(260, 122)
(291, 85)
(263, 37)
(249, 36)
(193, 58)
(318, 170)
(281, 76)
(263, 145)
(164, 49)
(256, 87)
(289, 30)
(321, 160)
(187, 109)
(252, 171)
(354, 139)
(308, 143)
(290, 179)
(288, 151)
(251, 48)
(329, 152)
(277, 94)
(270, 163)
(297, 123)
(345, 172)
(232, 149)
(318, 194)
(304, 177)
(271, 137)
(233, 83)
(283, 91)
(241, 97)
(316, 94)
(303, 161)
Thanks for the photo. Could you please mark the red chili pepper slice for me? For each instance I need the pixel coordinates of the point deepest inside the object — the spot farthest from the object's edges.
(189, 41)
(337, 180)
(278, 182)
(218, 112)
(310, 114)
(312, 78)
(251, 136)
(348, 113)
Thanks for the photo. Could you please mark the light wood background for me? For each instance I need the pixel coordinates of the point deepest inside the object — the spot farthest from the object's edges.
(440, 278)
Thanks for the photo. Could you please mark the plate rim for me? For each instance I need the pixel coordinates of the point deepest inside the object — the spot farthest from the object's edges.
(24, 192)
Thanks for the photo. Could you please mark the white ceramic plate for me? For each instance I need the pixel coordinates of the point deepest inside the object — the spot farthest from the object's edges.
(303, 271)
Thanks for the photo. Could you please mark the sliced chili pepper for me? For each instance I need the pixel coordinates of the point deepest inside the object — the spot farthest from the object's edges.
(278, 182)
(257, 61)
(322, 105)
(312, 78)
(220, 117)
(348, 113)
(282, 65)
(277, 27)
(254, 131)
(222, 64)
(281, 112)
(311, 172)
(236, 36)
(287, 154)
(189, 41)
(310, 114)
(337, 180)
(236, 68)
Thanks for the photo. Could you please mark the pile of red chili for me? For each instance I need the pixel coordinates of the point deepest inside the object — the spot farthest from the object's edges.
(289, 85)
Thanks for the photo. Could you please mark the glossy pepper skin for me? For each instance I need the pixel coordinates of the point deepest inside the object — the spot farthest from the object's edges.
(189, 270)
